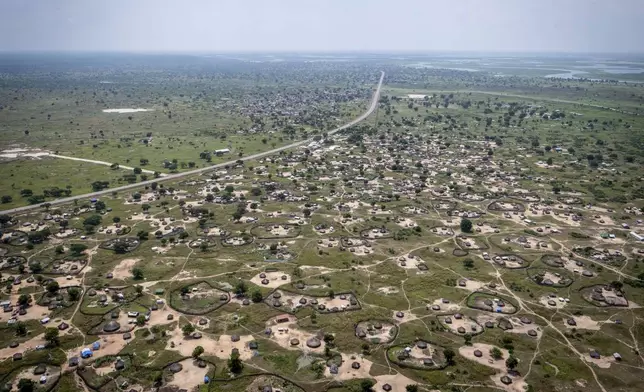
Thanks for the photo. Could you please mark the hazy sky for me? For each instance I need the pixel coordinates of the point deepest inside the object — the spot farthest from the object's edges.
(323, 25)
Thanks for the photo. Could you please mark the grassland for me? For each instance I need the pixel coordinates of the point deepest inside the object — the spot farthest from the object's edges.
(418, 164)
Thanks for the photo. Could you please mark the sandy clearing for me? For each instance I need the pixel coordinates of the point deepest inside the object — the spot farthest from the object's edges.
(28, 345)
(583, 322)
(225, 346)
(160, 316)
(518, 383)
(409, 262)
(34, 312)
(398, 382)
(388, 290)
(110, 345)
(185, 346)
(471, 285)
(124, 268)
(284, 337)
(346, 372)
(190, 377)
(486, 359)
(406, 222)
(274, 279)
(469, 325)
(444, 307)
(220, 347)
(558, 304)
(407, 316)
(604, 362)
(52, 374)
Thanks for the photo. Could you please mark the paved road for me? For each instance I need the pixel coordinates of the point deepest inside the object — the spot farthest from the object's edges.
(372, 107)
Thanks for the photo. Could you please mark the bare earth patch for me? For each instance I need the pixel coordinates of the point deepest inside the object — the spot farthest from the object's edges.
(124, 269)
(190, 377)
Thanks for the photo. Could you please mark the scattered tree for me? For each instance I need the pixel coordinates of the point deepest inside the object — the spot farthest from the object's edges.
(51, 336)
(137, 273)
(367, 385)
(257, 296)
(24, 300)
(25, 384)
(235, 363)
(511, 362)
(140, 320)
(188, 329)
(21, 329)
(73, 293)
(77, 249)
(53, 287)
(93, 220)
(241, 287)
(449, 356)
(466, 226)
(196, 353)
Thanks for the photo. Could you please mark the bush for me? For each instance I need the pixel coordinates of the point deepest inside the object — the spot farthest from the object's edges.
(257, 296)
(93, 220)
(466, 226)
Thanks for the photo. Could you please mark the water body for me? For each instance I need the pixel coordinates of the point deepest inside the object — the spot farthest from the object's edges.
(426, 65)
(567, 74)
(614, 69)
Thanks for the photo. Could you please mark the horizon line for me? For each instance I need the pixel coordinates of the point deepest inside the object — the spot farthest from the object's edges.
(309, 51)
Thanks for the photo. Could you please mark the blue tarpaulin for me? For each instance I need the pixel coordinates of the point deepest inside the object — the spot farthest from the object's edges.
(96, 345)
(206, 379)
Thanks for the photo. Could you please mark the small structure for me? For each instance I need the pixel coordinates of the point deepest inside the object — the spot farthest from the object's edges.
(313, 342)
(111, 326)
(333, 369)
(40, 369)
(175, 367)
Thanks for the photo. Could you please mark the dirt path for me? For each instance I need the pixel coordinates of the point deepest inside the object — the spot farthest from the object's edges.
(98, 162)
(522, 306)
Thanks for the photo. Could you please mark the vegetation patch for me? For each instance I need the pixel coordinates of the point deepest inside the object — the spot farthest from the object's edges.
(198, 298)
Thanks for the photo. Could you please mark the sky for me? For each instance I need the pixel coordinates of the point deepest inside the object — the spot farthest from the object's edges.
(580, 26)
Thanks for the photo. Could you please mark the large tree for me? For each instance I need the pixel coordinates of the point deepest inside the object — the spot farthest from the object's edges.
(235, 363)
(466, 226)
(51, 336)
